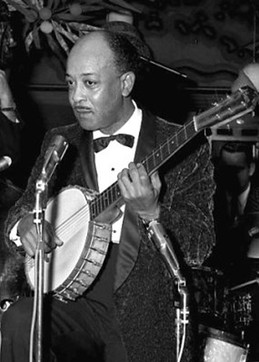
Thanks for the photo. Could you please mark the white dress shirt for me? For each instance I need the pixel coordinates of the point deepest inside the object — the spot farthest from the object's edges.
(111, 160)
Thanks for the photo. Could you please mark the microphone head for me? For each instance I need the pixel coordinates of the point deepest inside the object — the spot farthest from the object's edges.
(54, 154)
(57, 148)
(5, 162)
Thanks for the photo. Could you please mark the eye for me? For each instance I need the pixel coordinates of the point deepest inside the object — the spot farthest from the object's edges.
(89, 83)
(69, 82)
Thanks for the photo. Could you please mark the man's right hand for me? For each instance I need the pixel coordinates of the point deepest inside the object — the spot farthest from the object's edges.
(29, 236)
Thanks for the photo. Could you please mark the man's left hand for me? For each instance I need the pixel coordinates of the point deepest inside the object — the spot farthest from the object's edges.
(140, 191)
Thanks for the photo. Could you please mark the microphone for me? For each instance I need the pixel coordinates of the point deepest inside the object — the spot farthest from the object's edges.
(161, 240)
(163, 244)
(5, 162)
(53, 156)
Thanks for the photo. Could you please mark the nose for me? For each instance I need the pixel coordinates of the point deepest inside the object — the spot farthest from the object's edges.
(77, 94)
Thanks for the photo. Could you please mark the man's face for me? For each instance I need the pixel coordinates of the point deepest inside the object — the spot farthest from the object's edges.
(95, 87)
(234, 171)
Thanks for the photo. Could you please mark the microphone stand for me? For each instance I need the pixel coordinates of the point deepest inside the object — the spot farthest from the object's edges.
(150, 61)
(160, 239)
(53, 156)
(40, 206)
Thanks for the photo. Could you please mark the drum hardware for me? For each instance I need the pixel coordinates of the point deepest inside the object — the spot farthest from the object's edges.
(224, 310)
(158, 236)
(243, 285)
(239, 312)
(240, 305)
(229, 343)
(209, 292)
(157, 64)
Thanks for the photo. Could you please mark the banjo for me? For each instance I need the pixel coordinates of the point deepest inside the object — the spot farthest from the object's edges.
(73, 267)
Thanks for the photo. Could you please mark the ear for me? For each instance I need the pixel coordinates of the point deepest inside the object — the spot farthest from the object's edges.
(252, 169)
(127, 83)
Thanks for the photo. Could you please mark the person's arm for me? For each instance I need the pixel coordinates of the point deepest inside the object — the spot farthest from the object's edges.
(187, 204)
(7, 103)
(10, 140)
(10, 126)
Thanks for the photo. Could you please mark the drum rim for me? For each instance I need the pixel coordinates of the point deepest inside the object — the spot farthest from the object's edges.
(225, 336)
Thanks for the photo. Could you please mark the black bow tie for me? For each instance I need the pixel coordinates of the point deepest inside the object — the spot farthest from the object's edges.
(102, 142)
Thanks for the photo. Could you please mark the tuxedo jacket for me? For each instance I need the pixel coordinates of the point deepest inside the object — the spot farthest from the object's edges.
(229, 253)
(144, 291)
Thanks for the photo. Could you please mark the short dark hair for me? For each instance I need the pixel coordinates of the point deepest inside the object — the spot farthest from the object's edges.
(132, 34)
(244, 147)
(126, 56)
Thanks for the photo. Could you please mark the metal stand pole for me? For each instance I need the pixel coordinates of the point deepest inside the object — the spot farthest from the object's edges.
(40, 205)
(161, 241)
(183, 318)
(53, 156)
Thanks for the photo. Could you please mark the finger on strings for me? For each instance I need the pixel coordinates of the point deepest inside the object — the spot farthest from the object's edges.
(125, 177)
(122, 189)
(55, 240)
(143, 175)
(30, 250)
(155, 180)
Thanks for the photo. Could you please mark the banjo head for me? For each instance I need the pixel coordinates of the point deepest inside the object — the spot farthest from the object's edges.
(72, 267)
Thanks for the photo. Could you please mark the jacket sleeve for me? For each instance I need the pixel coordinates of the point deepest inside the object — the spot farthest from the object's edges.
(187, 207)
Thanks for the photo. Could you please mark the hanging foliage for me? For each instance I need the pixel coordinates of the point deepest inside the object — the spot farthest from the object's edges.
(7, 42)
(59, 23)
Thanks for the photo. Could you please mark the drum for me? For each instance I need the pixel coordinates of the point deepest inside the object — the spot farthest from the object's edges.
(221, 346)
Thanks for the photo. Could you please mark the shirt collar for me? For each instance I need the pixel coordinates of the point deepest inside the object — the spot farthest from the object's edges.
(242, 198)
(131, 127)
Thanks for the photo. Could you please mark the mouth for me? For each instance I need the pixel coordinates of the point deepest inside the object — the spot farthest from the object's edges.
(82, 110)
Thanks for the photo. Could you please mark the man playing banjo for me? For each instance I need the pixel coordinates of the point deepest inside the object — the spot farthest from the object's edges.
(127, 313)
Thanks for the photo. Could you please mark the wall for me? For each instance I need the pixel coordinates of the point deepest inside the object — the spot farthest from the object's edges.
(207, 39)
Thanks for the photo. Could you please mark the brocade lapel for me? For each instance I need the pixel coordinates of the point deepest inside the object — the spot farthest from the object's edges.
(87, 160)
(130, 238)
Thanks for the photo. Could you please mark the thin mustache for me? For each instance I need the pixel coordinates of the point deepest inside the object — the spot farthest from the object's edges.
(80, 108)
